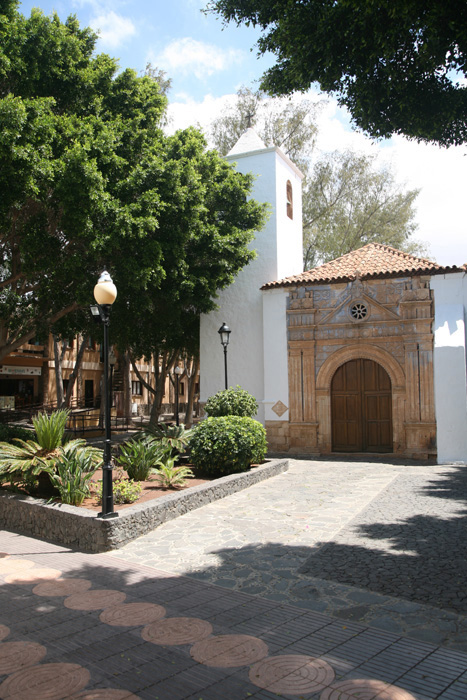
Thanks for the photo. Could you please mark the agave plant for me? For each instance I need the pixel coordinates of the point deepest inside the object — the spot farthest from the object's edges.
(173, 436)
(27, 459)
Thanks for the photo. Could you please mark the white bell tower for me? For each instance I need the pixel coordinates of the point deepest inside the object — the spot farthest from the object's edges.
(258, 342)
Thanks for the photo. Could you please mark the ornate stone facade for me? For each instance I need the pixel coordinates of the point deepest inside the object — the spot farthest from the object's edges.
(387, 321)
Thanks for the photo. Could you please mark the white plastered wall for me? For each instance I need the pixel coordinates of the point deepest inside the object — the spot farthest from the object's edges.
(450, 374)
(276, 384)
(279, 254)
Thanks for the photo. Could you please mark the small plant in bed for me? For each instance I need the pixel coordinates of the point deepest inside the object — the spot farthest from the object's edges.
(124, 491)
(72, 475)
(171, 476)
(140, 456)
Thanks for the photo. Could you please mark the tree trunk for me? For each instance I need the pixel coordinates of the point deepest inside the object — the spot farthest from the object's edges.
(167, 361)
(74, 374)
(192, 376)
(58, 359)
(126, 369)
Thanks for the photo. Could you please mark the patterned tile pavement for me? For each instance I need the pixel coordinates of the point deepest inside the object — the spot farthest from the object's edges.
(98, 627)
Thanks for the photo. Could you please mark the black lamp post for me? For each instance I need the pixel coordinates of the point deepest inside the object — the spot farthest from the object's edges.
(224, 332)
(105, 293)
(178, 370)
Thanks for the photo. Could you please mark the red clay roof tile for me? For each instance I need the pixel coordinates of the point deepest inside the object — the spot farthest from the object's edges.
(373, 260)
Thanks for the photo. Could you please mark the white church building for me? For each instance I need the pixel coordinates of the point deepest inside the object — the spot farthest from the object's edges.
(365, 354)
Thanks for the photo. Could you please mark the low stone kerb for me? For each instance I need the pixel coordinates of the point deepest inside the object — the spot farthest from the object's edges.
(80, 528)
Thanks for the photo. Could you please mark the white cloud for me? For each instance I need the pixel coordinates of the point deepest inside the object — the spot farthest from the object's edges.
(113, 29)
(188, 56)
(185, 111)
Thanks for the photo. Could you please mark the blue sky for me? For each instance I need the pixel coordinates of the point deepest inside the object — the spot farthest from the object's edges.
(208, 63)
(198, 54)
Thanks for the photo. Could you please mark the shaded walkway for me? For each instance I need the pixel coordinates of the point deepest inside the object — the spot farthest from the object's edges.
(98, 628)
(382, 544)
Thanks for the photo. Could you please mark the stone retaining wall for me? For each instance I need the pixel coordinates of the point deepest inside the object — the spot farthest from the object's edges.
(81, 529)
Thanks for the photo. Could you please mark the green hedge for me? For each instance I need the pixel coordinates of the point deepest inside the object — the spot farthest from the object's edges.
(227, 444)
(232, 402)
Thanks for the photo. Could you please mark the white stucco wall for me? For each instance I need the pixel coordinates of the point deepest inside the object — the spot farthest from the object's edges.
(276, 385)
(450, 370)
(279, 254)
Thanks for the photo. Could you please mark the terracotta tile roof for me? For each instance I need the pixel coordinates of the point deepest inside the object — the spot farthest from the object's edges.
(373, 260)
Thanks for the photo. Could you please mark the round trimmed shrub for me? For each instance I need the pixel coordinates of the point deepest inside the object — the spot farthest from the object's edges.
(227, 444)
(232, 402)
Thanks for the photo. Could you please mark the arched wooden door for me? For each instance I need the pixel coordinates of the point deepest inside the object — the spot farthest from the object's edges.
(361, 408)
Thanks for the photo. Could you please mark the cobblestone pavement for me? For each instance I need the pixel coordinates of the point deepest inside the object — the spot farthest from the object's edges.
(377, 543)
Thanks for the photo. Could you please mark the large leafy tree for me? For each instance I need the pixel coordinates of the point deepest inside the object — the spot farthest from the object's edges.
(399, 66)
(348, 201)
(89, 179)
(351, 202)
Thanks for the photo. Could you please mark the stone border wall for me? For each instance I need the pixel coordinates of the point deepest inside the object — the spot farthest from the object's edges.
(81, 529)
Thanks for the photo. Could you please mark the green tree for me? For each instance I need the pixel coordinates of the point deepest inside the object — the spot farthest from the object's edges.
(397, 65)
(350, 202)
(347, 200)
(89, 180)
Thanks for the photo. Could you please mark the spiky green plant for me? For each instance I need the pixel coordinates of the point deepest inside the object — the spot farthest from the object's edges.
(140, 456)
(21, 462)
(170, 476)
(174, 436)
(72, 475)
(50, 428)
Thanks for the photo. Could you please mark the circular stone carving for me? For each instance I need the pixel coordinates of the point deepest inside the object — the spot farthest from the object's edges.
(358, 311)
(365, 689)
(292, 674)
(94, 600)
(176, 630)
(4, 631)
(62, 586)
(105, 694)
(132, 614)
(229, 650)
(9, 565)
(46, 682)
(17, 655)
(33, 576)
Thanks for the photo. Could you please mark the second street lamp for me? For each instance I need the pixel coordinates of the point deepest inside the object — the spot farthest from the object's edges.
(224, 332)
(105, 293)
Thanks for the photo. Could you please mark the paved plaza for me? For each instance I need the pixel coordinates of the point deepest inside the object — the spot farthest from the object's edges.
(334, 581)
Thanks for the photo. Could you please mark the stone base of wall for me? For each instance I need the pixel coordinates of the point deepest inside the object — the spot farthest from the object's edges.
(292, 438)
(277, 435)
(420, 440)
(81, 529)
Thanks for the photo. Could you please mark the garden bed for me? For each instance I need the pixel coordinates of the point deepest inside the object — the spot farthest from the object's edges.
(81, 529)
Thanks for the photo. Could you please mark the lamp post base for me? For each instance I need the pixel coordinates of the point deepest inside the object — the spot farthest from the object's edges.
(107, 515)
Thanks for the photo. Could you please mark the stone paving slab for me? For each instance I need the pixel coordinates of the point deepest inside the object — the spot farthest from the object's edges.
(267, 649)
(378, 543)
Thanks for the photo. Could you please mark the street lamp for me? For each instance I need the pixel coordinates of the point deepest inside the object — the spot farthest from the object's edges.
(224, 332)
(178, 370)
(105, 293)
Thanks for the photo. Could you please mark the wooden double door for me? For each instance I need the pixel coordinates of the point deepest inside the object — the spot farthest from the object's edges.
(361, 408)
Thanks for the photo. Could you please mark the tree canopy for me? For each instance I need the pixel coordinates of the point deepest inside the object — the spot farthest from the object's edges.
(89, 180)
(399, 66)
(348, 199)
(350, 202)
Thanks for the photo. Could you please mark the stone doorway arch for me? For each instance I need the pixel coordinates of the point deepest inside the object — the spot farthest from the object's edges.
(323, 392)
